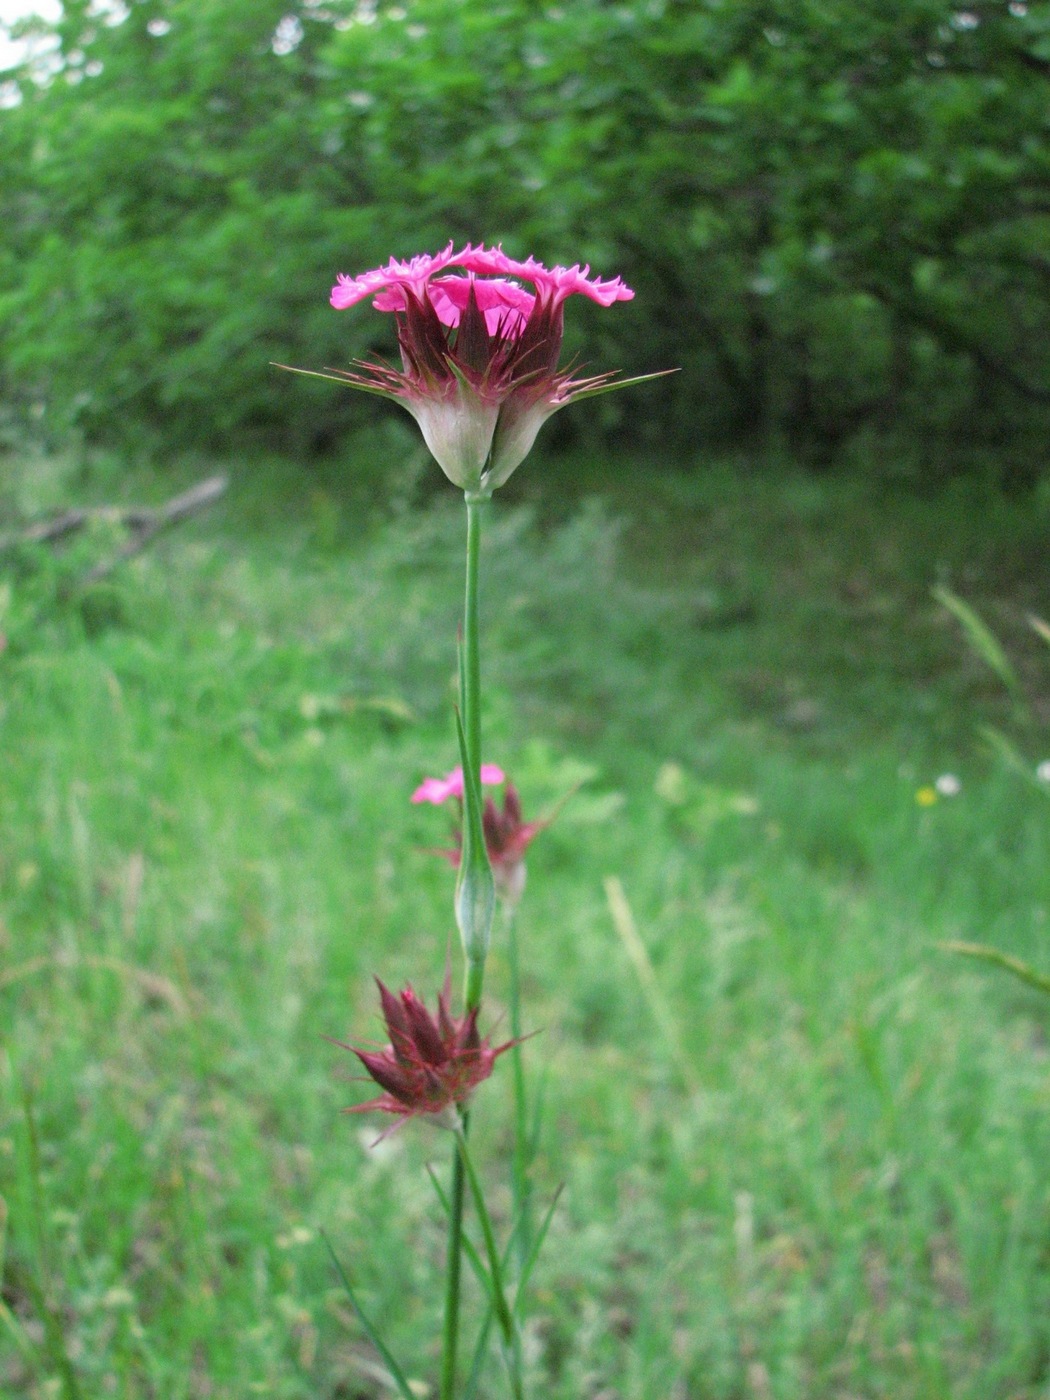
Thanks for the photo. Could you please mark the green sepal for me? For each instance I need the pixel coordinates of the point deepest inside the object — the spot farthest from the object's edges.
(344, 377)
(576, 395)
(461, 378)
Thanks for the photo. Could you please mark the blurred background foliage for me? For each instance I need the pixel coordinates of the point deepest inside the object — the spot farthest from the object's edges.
(836, 215)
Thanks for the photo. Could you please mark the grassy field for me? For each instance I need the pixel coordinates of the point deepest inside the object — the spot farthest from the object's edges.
(823, 1174)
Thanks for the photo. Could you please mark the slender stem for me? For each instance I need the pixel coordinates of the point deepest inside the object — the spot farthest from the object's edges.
(475, 982)
(450, 1338)
(520, 1162)
(504, 1314)
(470, 699)
(470, 706)
(499, 1298)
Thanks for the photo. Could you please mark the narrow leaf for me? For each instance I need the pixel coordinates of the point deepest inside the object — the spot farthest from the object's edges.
(396, 1373)
(981, 952)
(1008, 753)
(538, 1115)
(534, 1251)
(7, 1317)
(485, 1280)
(495, 1269)
(481, 1273)
(981, 638)
(474, 1375)
(469, 1247)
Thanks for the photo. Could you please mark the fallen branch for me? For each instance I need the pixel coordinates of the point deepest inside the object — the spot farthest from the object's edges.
(145, 523)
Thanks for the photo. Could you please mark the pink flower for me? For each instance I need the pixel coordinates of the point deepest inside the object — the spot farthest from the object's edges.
(438, 790)
(431, 1063)
(479, 352)
(507, 835)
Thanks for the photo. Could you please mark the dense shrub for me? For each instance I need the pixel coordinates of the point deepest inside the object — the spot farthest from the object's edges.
(835, 214)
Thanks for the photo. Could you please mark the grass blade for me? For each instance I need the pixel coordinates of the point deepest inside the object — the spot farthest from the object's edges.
(1009, 754)
(472, 1251)
(494, 1275)
(39, 1287)
(534, 1250)
(981, 952)
(536, 1131)
(469, 1247)
(478, 1361)
(981, 638)
(396, 1373)
(623, 922)
(474, 1259)
(7, 1317)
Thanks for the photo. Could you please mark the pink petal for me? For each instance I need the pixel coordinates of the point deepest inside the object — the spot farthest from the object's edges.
(438, 790)
(384, 284)
(556, 282)
(505, 305)
(415, 272)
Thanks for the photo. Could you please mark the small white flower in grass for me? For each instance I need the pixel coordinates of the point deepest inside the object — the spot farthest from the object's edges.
(948, 785)
(297, 1235)
(1042, 771)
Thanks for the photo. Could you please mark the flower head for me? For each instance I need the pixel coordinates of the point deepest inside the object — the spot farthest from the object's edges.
(432, 1063)
(479, 352)
(507, 835)
(507, 838)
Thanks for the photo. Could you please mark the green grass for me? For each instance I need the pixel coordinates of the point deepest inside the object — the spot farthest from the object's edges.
(831, 1183)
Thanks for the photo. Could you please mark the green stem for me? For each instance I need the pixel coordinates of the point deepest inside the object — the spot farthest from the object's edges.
(475, 982)
(470, 698)
(520, 1162)
(450, 1338)
(504, 1314)
(470, 707)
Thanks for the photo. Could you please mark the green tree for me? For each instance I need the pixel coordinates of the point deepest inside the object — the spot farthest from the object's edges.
(835, 215)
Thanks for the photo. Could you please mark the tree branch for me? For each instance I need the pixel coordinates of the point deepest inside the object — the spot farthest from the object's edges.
(145, 523)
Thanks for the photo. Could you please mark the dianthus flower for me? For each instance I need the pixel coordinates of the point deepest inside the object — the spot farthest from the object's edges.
(432, 1063)
(507, 834)
(479, 352)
